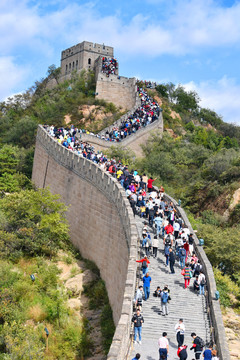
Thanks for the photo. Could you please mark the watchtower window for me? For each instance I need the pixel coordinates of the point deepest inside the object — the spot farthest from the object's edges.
(89, 61)
(73, 65)
(76, 64)
(69, 67)
(66, 69)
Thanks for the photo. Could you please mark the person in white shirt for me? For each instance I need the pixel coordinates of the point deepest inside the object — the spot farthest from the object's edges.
(180, 329)
(155, 246)
(202, 282)
(163, 346)
(176, 228)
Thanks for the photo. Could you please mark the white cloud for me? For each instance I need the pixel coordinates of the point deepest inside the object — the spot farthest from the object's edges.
(11, 75)
(191, 24)
(222, 96)
(189, 27)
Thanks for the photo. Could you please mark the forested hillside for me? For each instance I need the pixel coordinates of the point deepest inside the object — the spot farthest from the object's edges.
(40, 271)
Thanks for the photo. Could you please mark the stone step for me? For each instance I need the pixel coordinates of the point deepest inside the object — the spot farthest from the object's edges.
(183, 304)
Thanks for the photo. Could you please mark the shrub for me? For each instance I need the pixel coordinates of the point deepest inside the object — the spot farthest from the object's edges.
(229, 290)
(36, 313)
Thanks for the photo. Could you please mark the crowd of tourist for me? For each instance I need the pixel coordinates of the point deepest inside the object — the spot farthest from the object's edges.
(147, 113)
(109, 66)
(162, 222)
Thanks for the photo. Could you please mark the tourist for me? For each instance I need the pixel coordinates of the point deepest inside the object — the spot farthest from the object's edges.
(139, 297)
(163, 345)
(146, 285)
(196, 285)
(150, 184)
(187, 275)
(180, 329)
(202, 282)
(207, 354)
(182, 256)
(138, 320)
(164, 301)
(182, 352)
(136, 357)
(144, 263)
(171, 260)
(157, 292)
(155, 246)
(198, 345)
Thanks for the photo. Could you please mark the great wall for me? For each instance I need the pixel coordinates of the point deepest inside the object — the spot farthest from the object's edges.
(103, 228)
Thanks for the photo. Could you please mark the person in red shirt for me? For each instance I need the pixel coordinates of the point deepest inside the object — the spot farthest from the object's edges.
(182, 352)
(169, 229)
(150, 184)
(146, 261)
(186, 247)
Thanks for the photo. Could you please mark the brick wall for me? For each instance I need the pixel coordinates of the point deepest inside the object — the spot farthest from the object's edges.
(119, 90)
(101, 223)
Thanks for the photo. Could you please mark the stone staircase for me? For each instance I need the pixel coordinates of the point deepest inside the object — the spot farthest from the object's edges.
(183, 304)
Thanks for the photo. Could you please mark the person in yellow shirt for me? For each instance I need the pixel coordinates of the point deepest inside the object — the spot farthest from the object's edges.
(119, 173)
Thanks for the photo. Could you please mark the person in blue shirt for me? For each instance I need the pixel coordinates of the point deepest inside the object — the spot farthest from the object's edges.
(146, 285)
(207, 354)
(158, 222)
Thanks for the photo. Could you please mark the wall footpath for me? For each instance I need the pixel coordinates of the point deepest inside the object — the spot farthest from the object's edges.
(132, 142)
(101, 223)
(217, 327)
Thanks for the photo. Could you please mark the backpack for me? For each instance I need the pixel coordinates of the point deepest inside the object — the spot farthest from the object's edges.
(201, 342)
(144, 264)
(166, 250)
(168, 240)
(203, 282)
(182, 252)
(198, 268)
(164, 297)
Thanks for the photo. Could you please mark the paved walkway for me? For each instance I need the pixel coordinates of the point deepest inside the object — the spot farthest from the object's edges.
(184, 304)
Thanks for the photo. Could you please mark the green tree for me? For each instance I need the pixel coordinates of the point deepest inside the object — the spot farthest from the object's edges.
(186, 100)
(54, 73)
(37, 219)
(120, 154)
(23, 133)
(210, 117)
(162, 90)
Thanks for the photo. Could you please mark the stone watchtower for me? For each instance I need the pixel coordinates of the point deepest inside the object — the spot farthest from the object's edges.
(83, 56)
(111, 87)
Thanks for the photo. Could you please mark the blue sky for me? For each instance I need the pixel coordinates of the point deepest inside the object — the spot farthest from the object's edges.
(195, 43)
